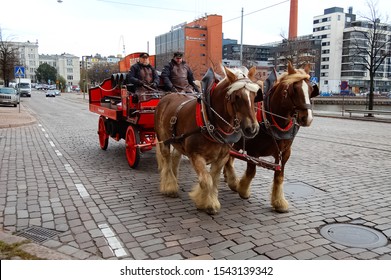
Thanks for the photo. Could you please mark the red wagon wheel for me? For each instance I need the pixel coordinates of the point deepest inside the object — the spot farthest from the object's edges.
(133, 152)
(103, 136)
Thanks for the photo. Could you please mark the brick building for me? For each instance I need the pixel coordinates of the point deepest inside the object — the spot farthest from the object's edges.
(200, 41)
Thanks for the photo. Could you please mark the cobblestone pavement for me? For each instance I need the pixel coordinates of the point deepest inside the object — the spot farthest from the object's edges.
(54, 176)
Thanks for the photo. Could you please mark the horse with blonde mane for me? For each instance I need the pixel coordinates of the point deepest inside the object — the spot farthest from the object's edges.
(203, 128)
(285, 108)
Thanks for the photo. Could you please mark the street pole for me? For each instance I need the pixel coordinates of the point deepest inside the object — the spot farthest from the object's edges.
(85, 71)
(241, 41)
(19, 93)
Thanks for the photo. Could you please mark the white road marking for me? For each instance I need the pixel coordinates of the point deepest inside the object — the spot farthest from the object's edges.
(82, 190)
(69, 168)
(52, 144)
(113, 241)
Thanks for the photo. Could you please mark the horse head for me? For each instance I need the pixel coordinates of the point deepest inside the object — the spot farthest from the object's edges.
(297, 92)
(240, 92)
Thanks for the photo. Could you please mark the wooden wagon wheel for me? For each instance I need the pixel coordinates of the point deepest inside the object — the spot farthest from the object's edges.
(103, 136)
(133, 152)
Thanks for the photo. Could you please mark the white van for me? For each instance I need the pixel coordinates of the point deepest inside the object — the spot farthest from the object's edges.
(23, 86)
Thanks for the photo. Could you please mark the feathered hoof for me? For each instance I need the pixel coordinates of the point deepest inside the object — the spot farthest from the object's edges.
(233, 188)
(281, 210)
(211, 211)
(244, 196)
(171, 194)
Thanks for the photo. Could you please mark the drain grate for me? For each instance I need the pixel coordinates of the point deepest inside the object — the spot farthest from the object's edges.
(356, 236)
(298, 189)
(37, 234)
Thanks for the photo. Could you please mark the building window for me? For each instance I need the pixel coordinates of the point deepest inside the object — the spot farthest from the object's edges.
(339, 17)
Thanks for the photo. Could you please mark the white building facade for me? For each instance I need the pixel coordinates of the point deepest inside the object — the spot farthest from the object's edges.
(329, 29)
(67, 66)
(28, 58)
(338, 32)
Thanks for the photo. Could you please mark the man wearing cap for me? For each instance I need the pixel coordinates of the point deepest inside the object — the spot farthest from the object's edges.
(177, 75)
(142, 75)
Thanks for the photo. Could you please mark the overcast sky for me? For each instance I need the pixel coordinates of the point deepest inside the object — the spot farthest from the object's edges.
(87, 27)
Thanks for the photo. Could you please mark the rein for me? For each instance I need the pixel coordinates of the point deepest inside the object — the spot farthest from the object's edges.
(215, 133)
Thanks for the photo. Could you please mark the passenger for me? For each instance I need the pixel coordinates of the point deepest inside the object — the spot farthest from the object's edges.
(143, 76)
(177, 76)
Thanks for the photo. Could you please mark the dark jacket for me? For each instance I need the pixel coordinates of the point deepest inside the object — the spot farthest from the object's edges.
(178, 77)
(141, 74)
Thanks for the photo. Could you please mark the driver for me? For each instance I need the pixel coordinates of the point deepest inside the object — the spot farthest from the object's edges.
(143, 76)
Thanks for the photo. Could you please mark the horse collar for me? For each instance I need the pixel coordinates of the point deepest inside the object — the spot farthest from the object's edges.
(212, 132)
(272, 127)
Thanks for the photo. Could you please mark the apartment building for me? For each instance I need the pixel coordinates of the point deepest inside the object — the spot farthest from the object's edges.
(67, 66)
(28, 57)
(355, 46)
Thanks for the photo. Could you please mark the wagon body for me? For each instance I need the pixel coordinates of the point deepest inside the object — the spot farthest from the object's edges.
(124, 115)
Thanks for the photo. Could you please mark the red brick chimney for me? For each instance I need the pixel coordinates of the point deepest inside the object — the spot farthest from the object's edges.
(293, 19)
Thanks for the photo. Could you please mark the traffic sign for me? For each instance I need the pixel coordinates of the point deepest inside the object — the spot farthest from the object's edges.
(19, 71)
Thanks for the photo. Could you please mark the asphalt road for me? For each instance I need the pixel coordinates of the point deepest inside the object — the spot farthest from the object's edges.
(55, 176)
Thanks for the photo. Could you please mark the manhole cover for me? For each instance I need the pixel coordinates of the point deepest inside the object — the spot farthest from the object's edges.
(354, 235)
(37, 234)
(298, 189)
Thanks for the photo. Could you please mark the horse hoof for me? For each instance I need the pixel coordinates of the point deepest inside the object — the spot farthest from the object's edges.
(247, 196)
(282, 210)
(211, 211)
(171, 194)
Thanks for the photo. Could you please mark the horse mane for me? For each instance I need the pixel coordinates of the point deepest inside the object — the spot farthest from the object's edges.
(286, 78)
(240, 73)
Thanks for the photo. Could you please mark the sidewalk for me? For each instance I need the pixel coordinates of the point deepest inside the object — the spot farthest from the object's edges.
(11, 117)
(15, 117)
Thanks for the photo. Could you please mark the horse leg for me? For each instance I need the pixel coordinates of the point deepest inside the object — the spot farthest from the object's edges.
(230, 175)
(205, 193)
(176, 159)
(245, 182)
(279, 203)
(168, 180)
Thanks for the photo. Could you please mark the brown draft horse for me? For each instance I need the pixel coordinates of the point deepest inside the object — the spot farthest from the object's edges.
(228, 113)
(285, 108)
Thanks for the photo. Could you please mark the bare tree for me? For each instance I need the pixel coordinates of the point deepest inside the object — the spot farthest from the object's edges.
(101, 71)
(8, 59)
(370, 45)
(299, 51)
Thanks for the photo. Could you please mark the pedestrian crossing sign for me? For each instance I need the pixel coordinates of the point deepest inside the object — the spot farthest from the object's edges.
(19, 72)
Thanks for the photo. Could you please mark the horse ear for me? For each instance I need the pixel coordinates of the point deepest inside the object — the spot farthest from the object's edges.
(291, 70)
(307, 68)
(251, 73)
(259, 95)
(230, 75)
(315, 91)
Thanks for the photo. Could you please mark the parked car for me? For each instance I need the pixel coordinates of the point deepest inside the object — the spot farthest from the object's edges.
(9, 96)
(51, 93)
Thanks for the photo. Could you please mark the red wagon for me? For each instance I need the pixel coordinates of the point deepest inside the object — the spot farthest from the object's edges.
(125, 115)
